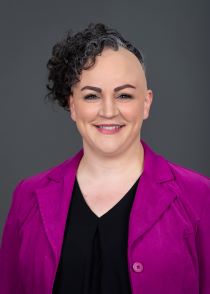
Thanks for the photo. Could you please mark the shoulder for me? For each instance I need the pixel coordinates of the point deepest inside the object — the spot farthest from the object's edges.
(193, 187)
(54, 173)
(24, 190)
(38, 179)
(188, 178)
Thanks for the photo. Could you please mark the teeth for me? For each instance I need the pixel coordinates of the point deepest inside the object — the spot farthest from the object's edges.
(109, 127)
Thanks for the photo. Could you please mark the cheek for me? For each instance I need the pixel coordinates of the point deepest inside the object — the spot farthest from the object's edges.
(133, 112)
(83, 112)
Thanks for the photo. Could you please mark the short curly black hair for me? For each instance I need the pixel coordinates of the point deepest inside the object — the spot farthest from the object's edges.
(77, 52)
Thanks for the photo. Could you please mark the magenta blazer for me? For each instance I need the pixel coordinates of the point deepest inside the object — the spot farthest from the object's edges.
(169, 230)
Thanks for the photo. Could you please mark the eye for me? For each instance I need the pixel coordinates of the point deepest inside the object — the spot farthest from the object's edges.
(90, 97)
(126, 96)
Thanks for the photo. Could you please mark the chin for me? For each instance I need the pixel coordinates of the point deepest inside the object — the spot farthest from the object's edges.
(109, 150)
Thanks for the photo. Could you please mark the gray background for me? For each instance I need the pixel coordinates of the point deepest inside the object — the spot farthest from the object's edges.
(174, 38)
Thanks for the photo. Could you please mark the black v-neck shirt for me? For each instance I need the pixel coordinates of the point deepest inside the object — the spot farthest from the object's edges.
(94, 252)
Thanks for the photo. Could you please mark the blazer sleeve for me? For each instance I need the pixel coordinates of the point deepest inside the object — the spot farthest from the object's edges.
(9, 249)
(204, 246)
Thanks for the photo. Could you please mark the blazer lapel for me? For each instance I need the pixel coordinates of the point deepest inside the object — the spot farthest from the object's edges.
(155, 192)
(54, 200)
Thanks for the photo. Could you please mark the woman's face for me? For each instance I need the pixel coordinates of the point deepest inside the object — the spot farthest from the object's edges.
(97, 101)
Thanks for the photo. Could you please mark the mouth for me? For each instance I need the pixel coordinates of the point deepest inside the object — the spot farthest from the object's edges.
(109, 129)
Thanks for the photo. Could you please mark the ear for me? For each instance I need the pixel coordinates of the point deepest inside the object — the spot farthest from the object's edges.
(147, 103)
(72, 107)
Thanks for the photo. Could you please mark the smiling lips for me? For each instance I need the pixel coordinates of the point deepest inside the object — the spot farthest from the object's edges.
(109, 128)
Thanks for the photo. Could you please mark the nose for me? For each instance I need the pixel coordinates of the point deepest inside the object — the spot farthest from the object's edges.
(108, 107)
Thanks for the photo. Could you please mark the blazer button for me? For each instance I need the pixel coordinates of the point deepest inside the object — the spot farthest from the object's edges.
(138, 267)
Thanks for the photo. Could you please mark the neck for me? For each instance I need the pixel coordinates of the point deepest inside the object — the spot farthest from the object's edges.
(127, 163)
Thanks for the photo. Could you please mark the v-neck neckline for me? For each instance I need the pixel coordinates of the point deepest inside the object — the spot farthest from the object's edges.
(114, 207)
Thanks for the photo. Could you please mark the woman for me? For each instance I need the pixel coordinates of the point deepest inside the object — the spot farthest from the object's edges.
(116, 217)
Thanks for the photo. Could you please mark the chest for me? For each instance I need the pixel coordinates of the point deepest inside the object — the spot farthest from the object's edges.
(100, 198)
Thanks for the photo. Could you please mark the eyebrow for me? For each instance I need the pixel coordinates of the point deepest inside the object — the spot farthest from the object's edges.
(115, 89)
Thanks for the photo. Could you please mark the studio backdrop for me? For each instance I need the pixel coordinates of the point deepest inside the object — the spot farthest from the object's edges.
(174, 39)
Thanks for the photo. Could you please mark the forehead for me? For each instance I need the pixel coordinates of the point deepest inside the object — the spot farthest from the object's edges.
(114, 67)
